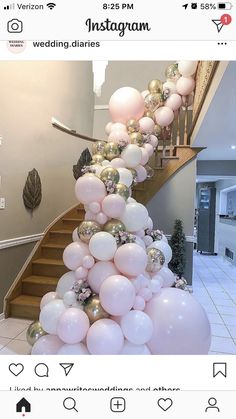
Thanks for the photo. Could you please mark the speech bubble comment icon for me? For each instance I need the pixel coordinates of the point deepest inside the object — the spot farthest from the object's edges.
(41, 370)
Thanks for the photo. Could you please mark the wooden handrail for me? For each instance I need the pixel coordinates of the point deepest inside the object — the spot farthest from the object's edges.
(61, 127)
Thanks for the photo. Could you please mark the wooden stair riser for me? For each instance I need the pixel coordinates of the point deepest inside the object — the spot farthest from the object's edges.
(61, 238)
(53, 252)
(71, 224)
(25, 311)
(37, 289)
(48, 270)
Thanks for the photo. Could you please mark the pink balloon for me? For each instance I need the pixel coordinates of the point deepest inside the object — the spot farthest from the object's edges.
(73, 255)
(145, 156)
(108, 128)
(140, 233)
(47, 298)
(113, 205)
(76, 349)
(94, 207)
(174, 101)
(120, 137)
(149, 223)
(73, 326)
(81, 272)
(118, 163)
(89, 188)
(155, 285)
(149, 148)
(101, 218)
(137, 327)
(145, 293)
(145, 93)
(164, 116)
(105, 337)
(90, 216)
(153, 141)
(117, 295)
(180, 324)
(131, 349)
(130, 259)
(99, 272)
(117, 126)
(75, 236)
(146, 125)
(185, 85)
(47, 345)
(88, 262)
(139, 241)
(139, 303)
(147, 240)
(167, 277)
(141, 173)
(126, 103)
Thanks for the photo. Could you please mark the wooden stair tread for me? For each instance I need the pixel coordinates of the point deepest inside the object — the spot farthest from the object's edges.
(26, 300)
(72, 219)
(169, 158)
(45, 261)
(54, 246)
(37, 279)
(61, 231)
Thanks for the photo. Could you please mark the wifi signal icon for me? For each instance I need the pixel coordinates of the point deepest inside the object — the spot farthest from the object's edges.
(51, 5)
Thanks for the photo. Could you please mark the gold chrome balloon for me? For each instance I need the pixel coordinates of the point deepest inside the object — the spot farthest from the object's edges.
(136, 138)
(153, 101)
(87, 229)
(172, 73)
(157, 131)
(98, 147)
(150, 171)
(114, 226)
(155, 86)
(34, 332)
(109, 173)
(94, 310)
(132, 125)
(156, 260)
(97, 159)
(135, 176)
(112, 151)
(122, 190)
(149, 114)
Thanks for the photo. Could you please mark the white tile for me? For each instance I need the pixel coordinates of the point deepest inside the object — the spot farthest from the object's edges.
(22, 335)
(229, 320)
(219, 330)
(10, 328)
(227, 310)
(215, 318)
(4, 342)
(225, 345)
(20, 347)
(221, 302)
(232, 331)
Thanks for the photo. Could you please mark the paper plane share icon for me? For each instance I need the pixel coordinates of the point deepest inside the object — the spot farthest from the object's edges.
(218, 24)
(67, 367)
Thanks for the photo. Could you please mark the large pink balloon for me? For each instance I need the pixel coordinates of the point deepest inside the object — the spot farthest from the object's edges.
(174, 102)
(131, 259)
(166, 276)
(113, 205)
(164, 116)
(126, 103)
(185, 85)
(137, 327)
(117, 163)
(180, 324)
(117, 295)
(73, 326)
(73, 255)
(105, 337)
(89, 188)
(47, 345)
(99, 272)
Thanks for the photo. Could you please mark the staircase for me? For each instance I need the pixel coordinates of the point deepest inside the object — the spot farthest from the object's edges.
(43, 268)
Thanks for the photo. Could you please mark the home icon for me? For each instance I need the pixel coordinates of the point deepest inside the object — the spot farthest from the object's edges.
(23, 406)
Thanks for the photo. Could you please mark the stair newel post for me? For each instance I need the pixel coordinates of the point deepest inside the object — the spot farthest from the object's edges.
(178, 129)
(186, 99)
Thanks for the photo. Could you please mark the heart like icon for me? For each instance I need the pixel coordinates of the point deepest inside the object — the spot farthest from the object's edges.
(16, 369)
(165, 404)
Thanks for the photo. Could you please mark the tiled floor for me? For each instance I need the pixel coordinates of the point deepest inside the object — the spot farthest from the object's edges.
(214, 286)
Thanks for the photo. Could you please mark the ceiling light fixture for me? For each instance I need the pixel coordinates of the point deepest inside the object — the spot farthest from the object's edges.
(99, 73)
(233, 147)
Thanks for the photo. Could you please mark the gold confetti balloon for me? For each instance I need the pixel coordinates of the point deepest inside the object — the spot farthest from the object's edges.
(114, 226)
(97, 159)
(155, 86)
(122, 190)
(99, 147)
(149, 114)
(34, 332)
(153, 101)
(112, 151)
(132, 126)
(156, 260)
(137, 138)
(87, 229)
(172, 73)
(94, 309)
(109, 173)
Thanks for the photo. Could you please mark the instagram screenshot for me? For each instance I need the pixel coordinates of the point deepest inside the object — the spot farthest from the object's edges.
(117, 209)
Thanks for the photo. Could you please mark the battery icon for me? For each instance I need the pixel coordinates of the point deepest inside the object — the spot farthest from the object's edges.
(225, 6)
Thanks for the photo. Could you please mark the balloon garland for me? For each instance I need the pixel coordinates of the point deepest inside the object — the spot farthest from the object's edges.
(116, 298)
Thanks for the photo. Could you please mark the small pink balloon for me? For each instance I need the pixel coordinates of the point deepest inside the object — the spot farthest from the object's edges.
(130, 259)
(146, 125)
(101, 218)
(141, 173)
(145, 156)
(117, 295)
(167, 276)
(117, 126)
(139, 303)
(126, 103)
(73, 255)
(164, 116)
(144, 281)
(149, 223)
(149, 148)
(99, 272)
(75, 236)
(89, 188)
(50, 296)
(108, 128)
(174, 102)
(94, 207)
(113, 205)
(185, 85)
(118, 163)
(153, 141)
(47, 345)
(105, 337)
(88, 262)
(81, 273)
(147, 240)
(75, 349)
(73, 326)
(120, 137)
(140, 233)
(139, 241)
(89, 216)
(146, 294)
(155, 285)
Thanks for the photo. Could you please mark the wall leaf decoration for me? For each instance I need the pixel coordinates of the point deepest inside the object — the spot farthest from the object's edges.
(84, 160)
(32, 193)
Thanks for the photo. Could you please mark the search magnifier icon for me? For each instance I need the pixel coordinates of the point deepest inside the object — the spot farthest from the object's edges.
(70, 404)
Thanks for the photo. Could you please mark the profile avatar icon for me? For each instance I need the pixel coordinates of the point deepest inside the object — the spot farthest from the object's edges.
(212, 404)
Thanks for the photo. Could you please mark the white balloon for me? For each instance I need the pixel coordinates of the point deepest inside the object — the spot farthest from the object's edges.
(137, 327)
(126, 176)
(131, 349)
(103, 246)
(76, 349)
(140, 242)
(135, 217)
(50, 315)
(132, 155)
(187, 68)
(65, 283)
(164, 248)
(69, 298)
(47, 298)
